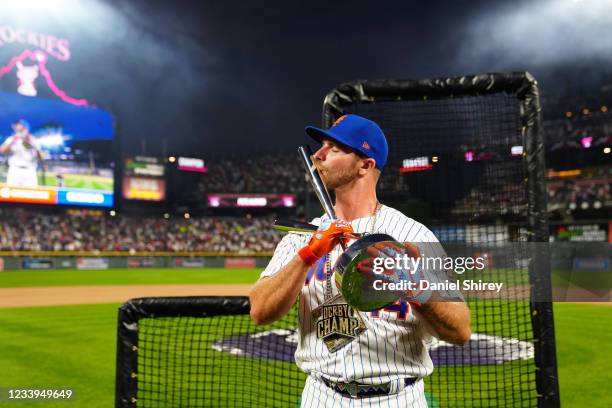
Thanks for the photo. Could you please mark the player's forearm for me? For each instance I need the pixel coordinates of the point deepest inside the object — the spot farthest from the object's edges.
(272, 298)
(450, 320)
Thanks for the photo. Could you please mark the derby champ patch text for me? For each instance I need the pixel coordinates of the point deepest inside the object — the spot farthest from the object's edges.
(337, 319)
(337, 324)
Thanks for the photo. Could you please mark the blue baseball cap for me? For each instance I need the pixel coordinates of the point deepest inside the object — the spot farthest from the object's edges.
(357, 133)
(23, 123)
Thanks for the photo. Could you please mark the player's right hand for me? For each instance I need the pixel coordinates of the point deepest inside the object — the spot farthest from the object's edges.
(329, 234)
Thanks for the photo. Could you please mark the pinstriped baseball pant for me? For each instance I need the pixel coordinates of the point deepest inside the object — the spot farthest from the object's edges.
(316, 395)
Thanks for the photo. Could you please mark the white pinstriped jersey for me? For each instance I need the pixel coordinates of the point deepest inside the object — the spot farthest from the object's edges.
(22, 154)
(395, 344)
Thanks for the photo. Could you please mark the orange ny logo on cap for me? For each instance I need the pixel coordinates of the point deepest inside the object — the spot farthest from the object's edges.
(340, 119)
(365, 145)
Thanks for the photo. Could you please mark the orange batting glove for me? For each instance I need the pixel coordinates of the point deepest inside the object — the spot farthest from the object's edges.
(329, 234)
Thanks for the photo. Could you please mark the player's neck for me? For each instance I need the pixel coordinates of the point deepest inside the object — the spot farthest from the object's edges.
(355, 202)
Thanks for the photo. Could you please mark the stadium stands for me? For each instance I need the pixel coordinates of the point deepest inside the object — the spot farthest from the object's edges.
(577, 131)
(25, 230)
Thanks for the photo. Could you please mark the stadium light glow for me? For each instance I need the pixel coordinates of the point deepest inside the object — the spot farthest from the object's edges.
(166, 215)
(416, 164)
(288, 200)
(607, 150)
(187, 216)
(51, 140)
(191, 164)
(112, 213)
(564, 173)
(171, 159)
(58, 10)
(516, 150)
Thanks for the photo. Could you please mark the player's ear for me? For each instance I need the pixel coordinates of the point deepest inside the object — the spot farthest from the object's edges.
(367, 164)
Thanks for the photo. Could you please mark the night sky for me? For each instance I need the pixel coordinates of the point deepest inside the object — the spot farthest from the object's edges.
(211, 78)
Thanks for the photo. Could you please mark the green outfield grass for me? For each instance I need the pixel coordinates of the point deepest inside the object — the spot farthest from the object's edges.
(560, 277)
(132, 276)
(584, 333)
(592, 280)
(55, 347)
(74, 346)
(85, 181)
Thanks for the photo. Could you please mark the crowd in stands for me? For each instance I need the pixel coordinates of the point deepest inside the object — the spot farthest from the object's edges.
(498, 192)
(499, 195)
(272, 174)
(22, 230)
(580, 194)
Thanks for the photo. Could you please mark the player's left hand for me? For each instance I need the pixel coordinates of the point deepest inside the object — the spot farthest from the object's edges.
(401, 271)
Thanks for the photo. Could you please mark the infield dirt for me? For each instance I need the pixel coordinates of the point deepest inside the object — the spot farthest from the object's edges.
(77, 295)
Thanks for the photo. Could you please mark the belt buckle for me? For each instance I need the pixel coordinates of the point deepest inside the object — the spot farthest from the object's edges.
(353, 389)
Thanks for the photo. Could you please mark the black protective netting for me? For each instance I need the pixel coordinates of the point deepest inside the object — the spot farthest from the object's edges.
(188, 360)
(473, 176)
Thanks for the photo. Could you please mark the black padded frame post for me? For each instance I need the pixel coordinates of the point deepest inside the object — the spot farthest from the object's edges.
(126, 382)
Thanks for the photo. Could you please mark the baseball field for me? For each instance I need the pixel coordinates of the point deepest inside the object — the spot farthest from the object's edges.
(84, 181)
(63, 333)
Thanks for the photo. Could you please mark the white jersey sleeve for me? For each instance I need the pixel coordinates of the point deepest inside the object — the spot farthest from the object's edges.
(7, 141)
(286, 249)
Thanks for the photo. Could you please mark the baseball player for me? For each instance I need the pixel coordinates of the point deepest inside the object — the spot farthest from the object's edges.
(378, 358)
(24, 155)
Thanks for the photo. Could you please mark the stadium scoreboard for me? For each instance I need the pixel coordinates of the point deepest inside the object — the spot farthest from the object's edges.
(251, 200)
(55, 153)
(144, 179)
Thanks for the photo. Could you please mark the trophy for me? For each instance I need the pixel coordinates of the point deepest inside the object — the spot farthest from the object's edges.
(356, 287)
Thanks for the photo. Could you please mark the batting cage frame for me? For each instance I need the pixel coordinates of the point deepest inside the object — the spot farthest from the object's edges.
(219, 346)
(165, 318)
(524, 87)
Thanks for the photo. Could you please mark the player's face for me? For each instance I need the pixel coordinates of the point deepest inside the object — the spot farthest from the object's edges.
(337, 164)
(20, 129)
